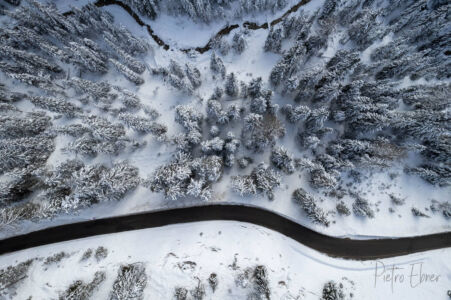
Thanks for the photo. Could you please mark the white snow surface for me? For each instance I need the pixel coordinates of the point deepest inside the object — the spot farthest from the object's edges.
(294, 271)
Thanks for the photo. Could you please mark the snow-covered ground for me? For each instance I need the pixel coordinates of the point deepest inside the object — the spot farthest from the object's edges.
(186, 254)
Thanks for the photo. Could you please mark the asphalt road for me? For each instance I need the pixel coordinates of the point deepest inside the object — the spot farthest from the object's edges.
(332, 246)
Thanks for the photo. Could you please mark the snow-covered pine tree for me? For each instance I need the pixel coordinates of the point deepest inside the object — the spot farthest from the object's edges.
(231, 86)
(273, 41)
(193, 75)
(216, 65)
(239, 43)
(129, 74)
(87, 58)
(58, 105)
(296, 114)
(142, 124)
(282, 159)
(135, 65)
(308, 204)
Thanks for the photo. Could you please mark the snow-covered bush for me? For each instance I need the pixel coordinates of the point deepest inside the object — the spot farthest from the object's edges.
(213, 281)
(343, 209)
(80, 290)
(198, 292)
(333, 291)
(260, 283)
(243, 162)
(444, 207)
(130, 282)
(180, 293)
(101, 253)
(307, 141)
(397, 200)
(55, 258)
(417, 213)
(361, 207)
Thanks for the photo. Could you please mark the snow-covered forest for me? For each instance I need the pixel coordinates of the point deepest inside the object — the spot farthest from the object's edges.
(336, 115)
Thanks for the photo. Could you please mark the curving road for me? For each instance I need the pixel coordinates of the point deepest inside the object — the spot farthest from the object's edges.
(332, 246)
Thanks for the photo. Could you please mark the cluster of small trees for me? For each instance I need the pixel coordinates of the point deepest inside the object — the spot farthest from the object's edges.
(259, 131)
(364, 97)
(351, 110)
(34, 52)
(199, 291)
(56, 40)
(11, 276)
(256, 281)
(73, 185)
(205, 10)
(261, 180)
(81, 290)
(186, 176)
(68, 187)
(25, 145)
(185, 79)
(102, 137)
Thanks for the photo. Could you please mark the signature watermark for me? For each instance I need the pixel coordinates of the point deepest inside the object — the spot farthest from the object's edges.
(414, 275)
